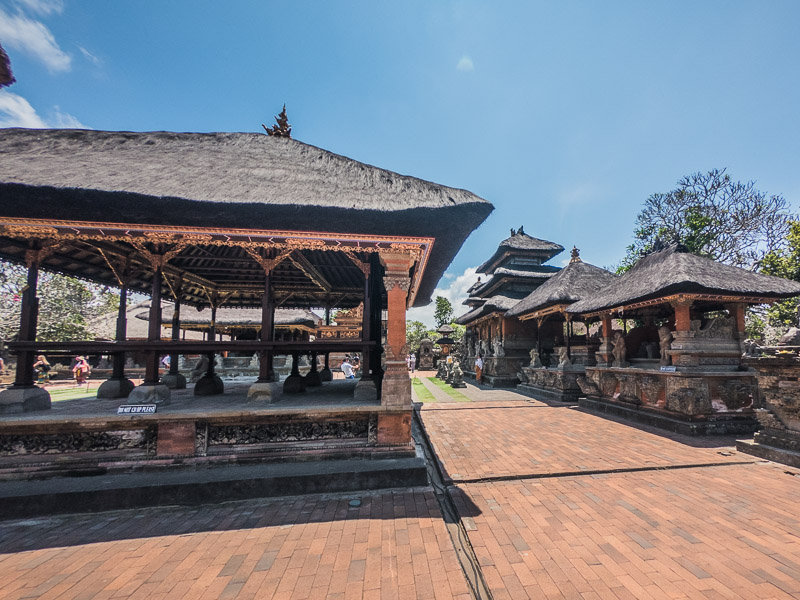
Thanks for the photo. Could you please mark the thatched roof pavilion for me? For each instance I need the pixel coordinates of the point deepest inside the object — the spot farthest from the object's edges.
(237, 318)
(575, 282)
(202, 183)
(661, 277)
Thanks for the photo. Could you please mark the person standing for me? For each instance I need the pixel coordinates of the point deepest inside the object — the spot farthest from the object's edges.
(412, 361)
(478, 368)
(81, 371)
(347, 369)
(42, 369)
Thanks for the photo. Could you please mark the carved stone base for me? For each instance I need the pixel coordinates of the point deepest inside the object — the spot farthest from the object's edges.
(150, 394)
(458, 384)
(294, 384)
(209, 386)
(313, 379)
(549, 395)
(722, 425)
(366, 390)
(326, 374)
(260, 392)
(24, 399)
(782, 446)
(115, 388)
(396, 390)
(174, 382)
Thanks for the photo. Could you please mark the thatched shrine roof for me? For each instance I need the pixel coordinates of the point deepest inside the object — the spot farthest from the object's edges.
(498, 303)
(226, 181)
(521, 243)
(675, 271)
(576, 281)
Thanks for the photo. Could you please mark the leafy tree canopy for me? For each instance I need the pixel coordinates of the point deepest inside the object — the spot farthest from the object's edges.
(444, 312)
(714, 216)
(416, 331)
(784, 262)
(66, 305)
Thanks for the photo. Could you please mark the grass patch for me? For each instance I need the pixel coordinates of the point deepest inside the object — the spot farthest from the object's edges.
(452, 392)
(423, 394)
(73, 393)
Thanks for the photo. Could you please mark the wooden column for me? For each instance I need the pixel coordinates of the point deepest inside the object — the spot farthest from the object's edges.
(265, 370)
(176, 334)
(376, 310)
(154, 329)
(366, 325)
(568, 328)
(737, 312)
(29, 317)
(118, 368)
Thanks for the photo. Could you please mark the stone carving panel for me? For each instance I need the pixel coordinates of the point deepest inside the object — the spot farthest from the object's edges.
(84, 441)
(688, 396)
(273, 433)
(651, 389)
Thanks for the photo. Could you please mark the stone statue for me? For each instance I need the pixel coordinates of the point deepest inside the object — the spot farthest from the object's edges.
(458, 376)
(751, 348)
(484, 346)
(790, 338)
(536, 362)
(619, 352)
(664, 341)
(563, 358)
(199, 369)
(497, 345)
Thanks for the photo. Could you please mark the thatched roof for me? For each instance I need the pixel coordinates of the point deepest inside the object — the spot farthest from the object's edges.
(104, 327)
(576, 281)
(6, 76)
(498, 303)
(521, 241)
(227, 180)
(503, 275)
(231, 317)
(675, 271)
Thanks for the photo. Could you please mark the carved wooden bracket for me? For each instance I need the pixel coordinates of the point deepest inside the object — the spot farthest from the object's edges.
(364, 267)
(268, 264)
(37, 255)
(156, 260)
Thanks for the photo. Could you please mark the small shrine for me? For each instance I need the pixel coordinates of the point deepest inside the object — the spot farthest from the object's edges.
(559, 355)
(514, 270)
(680, 367)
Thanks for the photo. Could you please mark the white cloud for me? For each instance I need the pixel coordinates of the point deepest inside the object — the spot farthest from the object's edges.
(465, 64)
(32, 37)
(90, 57)
(64, 120)
(15, 111)
(456, 292)
(42, 7)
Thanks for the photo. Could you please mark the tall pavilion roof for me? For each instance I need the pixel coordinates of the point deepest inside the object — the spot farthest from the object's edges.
(225, 180)
(674, 271)
(496, 303)
(521, 241)
(576, 281)
(6, 76)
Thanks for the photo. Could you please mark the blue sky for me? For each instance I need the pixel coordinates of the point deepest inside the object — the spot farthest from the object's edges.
(565, 115)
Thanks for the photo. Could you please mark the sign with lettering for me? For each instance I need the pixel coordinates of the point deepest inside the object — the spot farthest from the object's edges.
(136, 409)
(669, 369)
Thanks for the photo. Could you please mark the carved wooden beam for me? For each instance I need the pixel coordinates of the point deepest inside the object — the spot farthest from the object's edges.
(302, 263)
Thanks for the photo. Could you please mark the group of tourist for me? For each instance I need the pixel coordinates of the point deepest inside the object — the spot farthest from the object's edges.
(411, 362)
(80, 370)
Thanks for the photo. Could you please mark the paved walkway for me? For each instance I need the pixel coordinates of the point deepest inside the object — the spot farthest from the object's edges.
(555, 502)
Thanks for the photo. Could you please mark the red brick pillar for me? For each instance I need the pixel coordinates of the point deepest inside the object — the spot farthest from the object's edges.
(737, 312)
(395, 428)
(683, 318)
(604, 356)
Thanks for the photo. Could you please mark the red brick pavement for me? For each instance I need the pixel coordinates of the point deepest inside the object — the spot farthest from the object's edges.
(709, 532)
(394, 546)
(518, 438)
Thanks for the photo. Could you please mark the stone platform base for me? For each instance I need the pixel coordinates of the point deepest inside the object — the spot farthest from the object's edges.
(548, 395)
(722, 425)
(24, 399)
(495, 381)
(781, 446)
(20, 499)
(115, 388)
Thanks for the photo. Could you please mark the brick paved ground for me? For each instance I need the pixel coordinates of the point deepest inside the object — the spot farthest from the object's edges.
(393, 546)
(671, 530)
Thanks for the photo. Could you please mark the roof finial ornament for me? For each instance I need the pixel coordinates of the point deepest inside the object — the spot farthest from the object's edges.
(283, 128)
(576, 255)
(513, 233)
(520, 231)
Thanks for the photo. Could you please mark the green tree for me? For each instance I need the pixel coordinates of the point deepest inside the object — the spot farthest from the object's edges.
(66, 304)
(444, 311)
(416, 331)
(785, 263)
(714, 216)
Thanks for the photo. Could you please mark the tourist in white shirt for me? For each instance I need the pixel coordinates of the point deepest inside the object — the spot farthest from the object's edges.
(347, 369)
(478, 368)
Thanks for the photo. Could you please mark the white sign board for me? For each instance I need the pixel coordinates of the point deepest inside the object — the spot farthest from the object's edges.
(136, 409)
